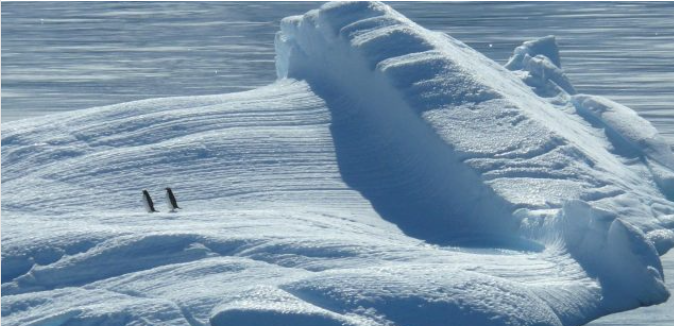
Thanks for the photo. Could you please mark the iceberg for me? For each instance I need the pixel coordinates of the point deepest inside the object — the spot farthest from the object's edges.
(390, 176)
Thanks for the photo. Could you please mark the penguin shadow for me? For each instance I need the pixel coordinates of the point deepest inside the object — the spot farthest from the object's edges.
(171, 201)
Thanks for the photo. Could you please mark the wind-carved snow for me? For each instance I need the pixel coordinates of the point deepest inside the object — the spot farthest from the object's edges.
(392, 176)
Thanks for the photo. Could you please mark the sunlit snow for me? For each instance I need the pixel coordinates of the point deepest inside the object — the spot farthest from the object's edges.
(391, 176)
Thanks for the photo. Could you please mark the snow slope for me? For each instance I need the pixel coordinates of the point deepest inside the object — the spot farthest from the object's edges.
(392, 176)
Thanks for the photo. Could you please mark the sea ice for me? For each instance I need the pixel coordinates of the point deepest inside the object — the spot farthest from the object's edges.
(391, 176)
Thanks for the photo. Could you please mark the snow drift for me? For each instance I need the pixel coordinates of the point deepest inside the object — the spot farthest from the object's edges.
(392, 176)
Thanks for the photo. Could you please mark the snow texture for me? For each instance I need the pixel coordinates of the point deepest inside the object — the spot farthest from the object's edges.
(391, 176)
(540, 62)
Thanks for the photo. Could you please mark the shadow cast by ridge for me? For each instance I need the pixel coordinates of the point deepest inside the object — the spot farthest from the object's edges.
(410, 176)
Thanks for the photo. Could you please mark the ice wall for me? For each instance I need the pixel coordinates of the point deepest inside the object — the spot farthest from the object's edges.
(490, 152)
(392, 176)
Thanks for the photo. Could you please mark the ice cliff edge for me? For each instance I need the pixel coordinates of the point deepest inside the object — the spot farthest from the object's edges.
(391, 176)
(482, 150)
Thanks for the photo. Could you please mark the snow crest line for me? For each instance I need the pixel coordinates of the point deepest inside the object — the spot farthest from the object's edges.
(384, 148)
(421, 106)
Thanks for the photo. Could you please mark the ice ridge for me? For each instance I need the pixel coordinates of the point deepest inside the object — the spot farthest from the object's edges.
(391, 176)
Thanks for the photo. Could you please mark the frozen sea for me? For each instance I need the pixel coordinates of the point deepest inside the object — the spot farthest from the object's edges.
(66, 56)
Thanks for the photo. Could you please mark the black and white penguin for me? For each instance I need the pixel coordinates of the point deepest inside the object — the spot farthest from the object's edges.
(171, 199)
(147, 200)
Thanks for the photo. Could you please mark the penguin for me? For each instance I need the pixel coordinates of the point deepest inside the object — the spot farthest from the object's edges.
(147, 200)
(172, 202)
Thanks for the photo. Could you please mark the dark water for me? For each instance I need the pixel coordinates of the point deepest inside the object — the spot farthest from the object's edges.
(72, 55)
(65, 56)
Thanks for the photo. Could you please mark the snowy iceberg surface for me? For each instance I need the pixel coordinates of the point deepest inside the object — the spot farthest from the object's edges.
(391, 176)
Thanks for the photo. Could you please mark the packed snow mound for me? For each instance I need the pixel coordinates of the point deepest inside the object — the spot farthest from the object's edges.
(391, 176)
(545, 46)
(630, 135)
(269, 231)
(465, 128)
(539, 62)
